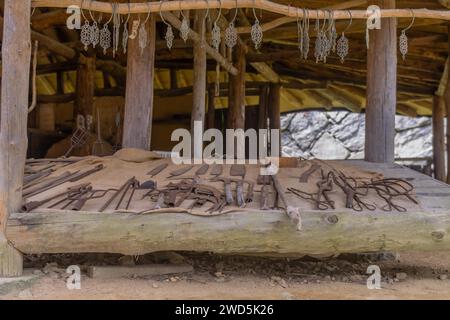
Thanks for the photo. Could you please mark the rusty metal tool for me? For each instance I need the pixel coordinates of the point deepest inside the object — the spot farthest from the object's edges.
(305, 176)
(133, 184)
(292, 212)
(180, 172)
(80, 200)
(202, 170)
(116, 194)
(265, 182)
(36, 177)
(157, 170)
(238, 170)
(30, 206)
(217, 170)
(72, 177)
(227, 185)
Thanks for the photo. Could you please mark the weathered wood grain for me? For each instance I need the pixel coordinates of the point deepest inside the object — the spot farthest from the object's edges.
(16, 56)
(250, 232)
(139, 91)
(439, 138)
(381, 89)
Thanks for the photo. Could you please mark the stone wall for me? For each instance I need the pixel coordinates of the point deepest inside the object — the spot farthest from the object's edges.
(340, 135)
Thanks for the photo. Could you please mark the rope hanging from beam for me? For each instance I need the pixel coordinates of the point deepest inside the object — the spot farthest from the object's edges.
(288, 11)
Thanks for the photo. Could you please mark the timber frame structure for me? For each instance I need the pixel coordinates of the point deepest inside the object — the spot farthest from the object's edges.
(274, 78)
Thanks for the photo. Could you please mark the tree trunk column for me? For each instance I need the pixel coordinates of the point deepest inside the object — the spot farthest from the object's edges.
(274, 109)
(16, 56)
(236, 106)
(381, 89)
(85, 87)
(438, 138)
(137, 132)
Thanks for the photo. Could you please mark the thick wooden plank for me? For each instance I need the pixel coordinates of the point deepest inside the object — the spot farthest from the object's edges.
(255, 232)
(438, 138)
(381, 89)
(16, 56)
(139, 91)
(274, 106)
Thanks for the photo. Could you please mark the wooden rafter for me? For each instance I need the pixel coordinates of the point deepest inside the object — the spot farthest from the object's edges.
(269, 6)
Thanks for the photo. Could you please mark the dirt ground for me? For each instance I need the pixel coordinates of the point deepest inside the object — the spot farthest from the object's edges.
(404, 276)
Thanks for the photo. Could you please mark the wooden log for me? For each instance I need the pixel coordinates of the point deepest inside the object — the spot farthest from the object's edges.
(381, 89)
(263, 107)
(447, 102)
(274, 108)
(211, 115)
(236, 107)
(200, 72)
(439, 138)
(266, 5)
(139, 91)
(85, 86)
(237, 232)
(13, 122)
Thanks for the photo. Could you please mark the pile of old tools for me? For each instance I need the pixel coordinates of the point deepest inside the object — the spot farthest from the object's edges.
(76, 196)
(198, 192)
(355, 191)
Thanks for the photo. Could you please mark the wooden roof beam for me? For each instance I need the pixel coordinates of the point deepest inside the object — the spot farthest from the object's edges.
(290, 11)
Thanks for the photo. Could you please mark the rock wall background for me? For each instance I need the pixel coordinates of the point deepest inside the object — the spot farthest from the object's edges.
(340, 135)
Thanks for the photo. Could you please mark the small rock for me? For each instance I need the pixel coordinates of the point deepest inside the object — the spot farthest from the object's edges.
(37, 272)
(155, 286)
(401, 275)
(283, 283)
(327, 278)
(443, 277)
(219, 274)
(287, 296)
(275, 278)
(391, 281)
(25, 294)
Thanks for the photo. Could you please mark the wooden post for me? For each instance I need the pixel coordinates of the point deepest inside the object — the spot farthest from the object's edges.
(381, 89)
(137, 132)
(200, 71)
(211, 115)
(447, 102)
(262, 114)
(236, 107)
(85, 86)
(16, 56)
(438, 138)
(274, 107)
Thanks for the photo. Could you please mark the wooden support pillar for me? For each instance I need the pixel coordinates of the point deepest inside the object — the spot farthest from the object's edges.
(274, 105)
(438, 138)
(236, 106)
(85, 86)
(200, 71)
(381, 89)
(16, 56)
(211, 115)
(137, 132)
(447, 102)
(262, 114)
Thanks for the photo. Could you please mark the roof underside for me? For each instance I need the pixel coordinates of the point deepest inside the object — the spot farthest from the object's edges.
(308, 85)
